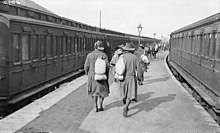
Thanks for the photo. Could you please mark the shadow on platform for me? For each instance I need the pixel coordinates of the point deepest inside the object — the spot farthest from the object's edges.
(148, 105)
(118, 103)
(155, 80)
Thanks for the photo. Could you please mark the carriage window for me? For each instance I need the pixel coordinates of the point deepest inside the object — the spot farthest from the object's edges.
(84, 44)
(91, 44)
(213, 44)
(49, 44)
(79, 44)
(189, 43)
(42, 46)
(180, 43)
(174, 43)
(54, 46)
(34, 47)
(198, 44)
(193, 47)
(183, 44)
(73, 44)
(68, 47)
(76, 42)
(201, 45)
(25, 40)
(60, 45)
(207, 44)
(217, 54)
(16, 48)
(64, 45)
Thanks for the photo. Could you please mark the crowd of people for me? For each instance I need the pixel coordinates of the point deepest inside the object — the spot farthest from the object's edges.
(128, 65)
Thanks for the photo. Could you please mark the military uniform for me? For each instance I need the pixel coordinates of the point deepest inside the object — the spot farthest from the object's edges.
(96, 88)
(138, 53)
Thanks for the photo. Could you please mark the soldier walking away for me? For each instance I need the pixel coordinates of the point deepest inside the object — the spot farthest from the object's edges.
(139, 52)
(128, 86)
(118, 52)
(98, 89)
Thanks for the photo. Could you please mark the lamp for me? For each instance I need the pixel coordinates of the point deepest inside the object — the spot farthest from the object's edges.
(139, 32)
(154, 36)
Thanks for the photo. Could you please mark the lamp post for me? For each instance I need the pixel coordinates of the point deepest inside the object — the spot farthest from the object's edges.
(139, 32)
(154, 36)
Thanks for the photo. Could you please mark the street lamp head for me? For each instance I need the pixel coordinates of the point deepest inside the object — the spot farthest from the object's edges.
(139, 28)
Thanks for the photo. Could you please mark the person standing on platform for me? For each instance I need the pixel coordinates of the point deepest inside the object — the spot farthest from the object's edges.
(117, 53)
(98, 89)
(128, 86)
(115, 57)
(139, 52)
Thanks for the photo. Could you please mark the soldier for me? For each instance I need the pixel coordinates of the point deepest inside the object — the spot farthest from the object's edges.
(128, 86)
(97, 89)
(115, 57)
(117, 53)
(139, 52)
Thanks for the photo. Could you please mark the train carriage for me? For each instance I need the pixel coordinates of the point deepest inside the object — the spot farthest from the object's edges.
(195, 55)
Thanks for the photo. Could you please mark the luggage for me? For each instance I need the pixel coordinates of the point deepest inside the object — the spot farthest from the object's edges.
(145, 59)
(120, 68)
(100, 66)
(100, 69)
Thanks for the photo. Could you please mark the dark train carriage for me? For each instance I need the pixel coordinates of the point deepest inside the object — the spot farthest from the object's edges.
(38, 52)
(195, 53)
(4, 58)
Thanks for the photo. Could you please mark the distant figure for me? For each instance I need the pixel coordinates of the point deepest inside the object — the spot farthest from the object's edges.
(155, 50)
(118, 52)
(97, 89)
(128, 86)
(147, 50)
(139, 52)
(107, 50)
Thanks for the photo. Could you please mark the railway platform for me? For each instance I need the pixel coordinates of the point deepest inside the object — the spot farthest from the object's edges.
(164, 106)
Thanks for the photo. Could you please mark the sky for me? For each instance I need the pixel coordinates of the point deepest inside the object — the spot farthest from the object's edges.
(155, 16)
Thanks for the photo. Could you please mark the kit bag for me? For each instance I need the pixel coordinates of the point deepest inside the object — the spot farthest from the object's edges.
(120, 68)
(100, 69)
(145, 59)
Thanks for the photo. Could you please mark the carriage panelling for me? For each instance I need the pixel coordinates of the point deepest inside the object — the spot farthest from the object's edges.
(4, 59)
(67, 62)
(206, 69)
(203, 56)
(185, 55)
(195, 54)
(216, 70)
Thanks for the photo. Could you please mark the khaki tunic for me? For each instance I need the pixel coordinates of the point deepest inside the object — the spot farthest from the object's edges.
(139, 52)
(128, 87)
(96, 88)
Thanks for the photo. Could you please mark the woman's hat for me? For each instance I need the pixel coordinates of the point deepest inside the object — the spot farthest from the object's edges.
(99, 45)
(128, 47)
